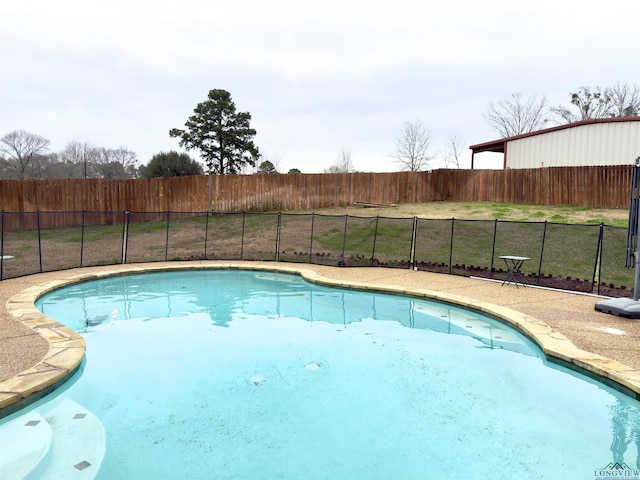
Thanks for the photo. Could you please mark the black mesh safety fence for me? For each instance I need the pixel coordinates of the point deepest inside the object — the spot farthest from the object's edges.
(224, 236)
(611, 277)
(569, 256)
(187, 235)
(522, 239)
(579, 257)
(328, 239)
(260, 235)
(146, 237)
(472, 247)
(433, 240)
(359, 241)
(393, 242)
(20, 250)
(60, 248)
(295, 237)
(102, 238)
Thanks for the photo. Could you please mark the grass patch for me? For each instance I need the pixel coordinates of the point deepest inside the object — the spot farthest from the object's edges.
(113, 261)
(484, 211)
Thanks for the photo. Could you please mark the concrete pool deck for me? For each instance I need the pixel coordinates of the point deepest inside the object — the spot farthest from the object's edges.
(36, 352)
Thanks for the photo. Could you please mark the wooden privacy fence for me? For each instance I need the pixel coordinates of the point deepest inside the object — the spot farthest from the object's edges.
(599, 186)
(220, 193)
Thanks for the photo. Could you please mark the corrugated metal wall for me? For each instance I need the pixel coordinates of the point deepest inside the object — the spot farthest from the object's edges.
(614, 143)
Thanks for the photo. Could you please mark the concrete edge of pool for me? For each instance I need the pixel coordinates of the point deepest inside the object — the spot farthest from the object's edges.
(67, 348)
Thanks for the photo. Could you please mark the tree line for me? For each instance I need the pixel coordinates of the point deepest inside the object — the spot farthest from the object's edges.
(25, 155)
(224, 140)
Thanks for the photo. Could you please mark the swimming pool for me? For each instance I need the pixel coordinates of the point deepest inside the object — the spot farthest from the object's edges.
(239, 374)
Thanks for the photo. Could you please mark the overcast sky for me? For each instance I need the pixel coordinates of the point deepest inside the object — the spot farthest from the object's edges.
(317, 77)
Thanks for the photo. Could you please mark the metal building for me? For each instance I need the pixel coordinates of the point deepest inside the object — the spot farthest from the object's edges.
(602, 141)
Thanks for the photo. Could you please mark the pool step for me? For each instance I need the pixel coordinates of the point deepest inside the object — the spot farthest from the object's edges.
(67, 442)
(24, 445)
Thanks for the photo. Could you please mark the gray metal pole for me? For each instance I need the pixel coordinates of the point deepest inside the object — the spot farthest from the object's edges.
(636, 284)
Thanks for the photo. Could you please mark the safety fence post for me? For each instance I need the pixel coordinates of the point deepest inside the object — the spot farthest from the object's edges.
(244, 215)
(412, 251)
(544, 237)
(1, 243)
(344, 240)
(375, 237)
(39, 241)
(206, 234)
(277, 256)
(313, 217)
(82, 240)
(597, 266)
(493, 247)
(451, 246)
(125, 235)
(166, 242)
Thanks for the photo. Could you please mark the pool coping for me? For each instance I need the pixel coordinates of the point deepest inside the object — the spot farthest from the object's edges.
(67, 347)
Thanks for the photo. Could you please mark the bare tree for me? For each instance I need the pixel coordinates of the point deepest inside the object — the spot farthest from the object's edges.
(116, 163)
(412, 147)
(586, 103)
(48, 166)
(343, 163)
(5, 171)
(621, 100)
(276, 161)
(454, 151)
(80, 157)
(23, 152)
(624, 99)
(516, 115)
(126, 158)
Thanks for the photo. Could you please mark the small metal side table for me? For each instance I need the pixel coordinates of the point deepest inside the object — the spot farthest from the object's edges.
(514, 264)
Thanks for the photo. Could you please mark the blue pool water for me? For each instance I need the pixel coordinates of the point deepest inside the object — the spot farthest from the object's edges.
(252, 375)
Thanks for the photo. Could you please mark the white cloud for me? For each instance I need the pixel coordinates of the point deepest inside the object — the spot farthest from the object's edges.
(317, 77)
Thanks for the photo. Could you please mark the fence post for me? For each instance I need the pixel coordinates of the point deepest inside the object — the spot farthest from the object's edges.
(344, 240)
(597, 267)
(544, 238)
(277, 259)
(1, 244)
(313, 217)
(210, 193)
(39, 241)
(375, 237)
(412, 251)
(244, 214)
(493, 247)
(166, 241)
(125, 235)
(206, 234)
(451, 246)
(82, 241)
